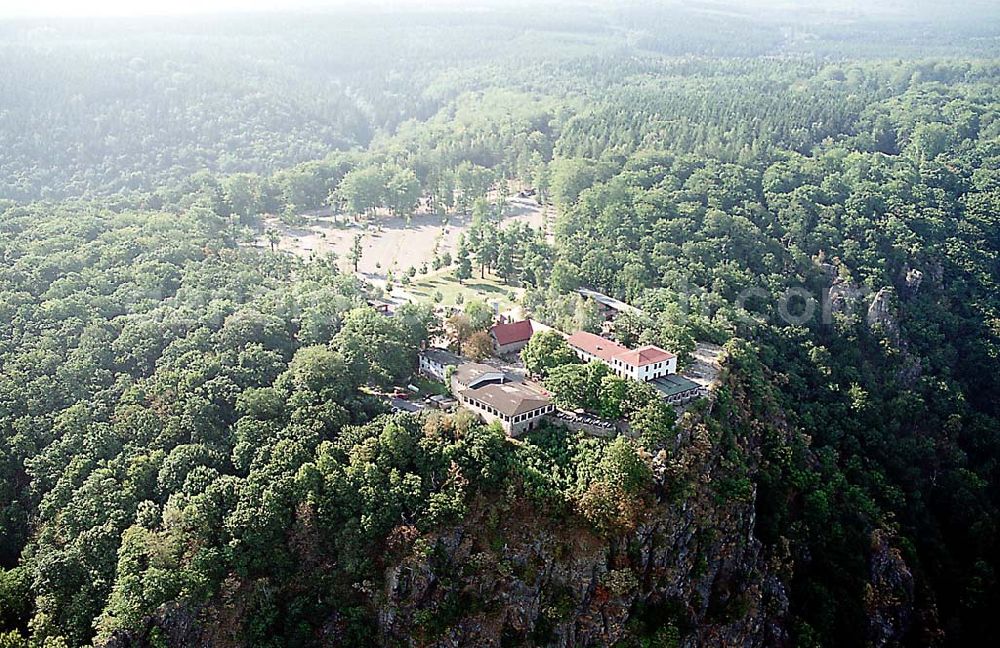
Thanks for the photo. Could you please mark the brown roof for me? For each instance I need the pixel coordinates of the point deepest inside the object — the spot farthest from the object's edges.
(511, 398)
(513, 332)
(609, 350)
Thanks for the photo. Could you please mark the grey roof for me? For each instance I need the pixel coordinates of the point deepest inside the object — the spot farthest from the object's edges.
(511, 398)
(608, 301)
(467, 373)
(673, 384)
(401, 405)
(442, 357)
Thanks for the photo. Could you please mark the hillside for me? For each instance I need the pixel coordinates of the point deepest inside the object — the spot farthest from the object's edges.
(197, 437)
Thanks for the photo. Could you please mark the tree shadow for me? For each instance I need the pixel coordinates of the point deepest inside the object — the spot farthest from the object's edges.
(487, 288)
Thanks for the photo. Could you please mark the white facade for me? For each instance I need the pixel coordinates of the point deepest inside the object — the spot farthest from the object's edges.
(512, 425)
(434, 363)
(586, 357)
(493, 396)
(643, 373)
(643, 364)
(431, 369)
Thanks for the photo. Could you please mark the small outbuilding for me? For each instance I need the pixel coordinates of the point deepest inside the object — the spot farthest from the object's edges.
(511, 337)
(677, 389)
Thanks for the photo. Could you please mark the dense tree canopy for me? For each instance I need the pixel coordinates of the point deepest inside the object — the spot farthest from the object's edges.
(189, 424)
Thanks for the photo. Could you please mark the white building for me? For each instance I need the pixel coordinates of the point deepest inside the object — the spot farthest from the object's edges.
(643, 364)
(434, 362)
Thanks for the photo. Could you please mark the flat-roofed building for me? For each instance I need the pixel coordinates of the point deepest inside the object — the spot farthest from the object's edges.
(678, 389)
(607, 306)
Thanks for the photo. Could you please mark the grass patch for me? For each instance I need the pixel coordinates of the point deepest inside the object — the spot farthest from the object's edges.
(490, 289)
(429, 387)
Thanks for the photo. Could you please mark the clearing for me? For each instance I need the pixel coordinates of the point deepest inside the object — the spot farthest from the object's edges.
(704, 368)
(492, 290)
(389, 243)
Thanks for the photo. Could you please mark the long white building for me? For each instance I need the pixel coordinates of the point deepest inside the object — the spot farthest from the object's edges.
(643, 364)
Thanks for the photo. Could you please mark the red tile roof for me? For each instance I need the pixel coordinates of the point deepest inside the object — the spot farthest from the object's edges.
(514, 332)
(596, 345)
(608, 350)
(646, 355)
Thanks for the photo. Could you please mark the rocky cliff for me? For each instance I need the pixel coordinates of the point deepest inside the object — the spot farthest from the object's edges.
(512, 573)
(689, 571)
(685, 567)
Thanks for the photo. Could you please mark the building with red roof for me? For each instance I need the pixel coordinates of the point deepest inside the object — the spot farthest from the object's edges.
(644, 364)
(510, 337)
(593, 347)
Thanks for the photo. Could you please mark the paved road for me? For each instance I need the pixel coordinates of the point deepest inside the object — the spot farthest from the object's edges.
(405, 405)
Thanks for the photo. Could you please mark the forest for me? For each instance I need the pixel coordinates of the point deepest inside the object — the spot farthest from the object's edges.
(193, 444)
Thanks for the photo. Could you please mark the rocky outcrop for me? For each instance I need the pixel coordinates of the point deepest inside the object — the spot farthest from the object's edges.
(177, 624)
(541, 580)
(843, 295)
(881, 314)
(913, 278)
(517, 573)
(828, 269)
(889, 594)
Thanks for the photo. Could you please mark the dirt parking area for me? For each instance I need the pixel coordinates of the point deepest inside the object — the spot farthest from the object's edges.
(388, 242)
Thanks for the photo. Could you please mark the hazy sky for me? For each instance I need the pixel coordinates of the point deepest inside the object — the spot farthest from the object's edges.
(50, 8)
(126, 7)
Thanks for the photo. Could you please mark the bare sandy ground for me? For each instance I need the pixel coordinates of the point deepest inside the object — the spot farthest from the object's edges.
(388, 242)
(704, 368)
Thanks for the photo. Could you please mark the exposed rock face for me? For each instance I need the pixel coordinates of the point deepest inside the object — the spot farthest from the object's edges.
(541, 577)
(843, 296)
(558, 585)
(889, 594)
(913, 280)
(881, 315)
(179, 625)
